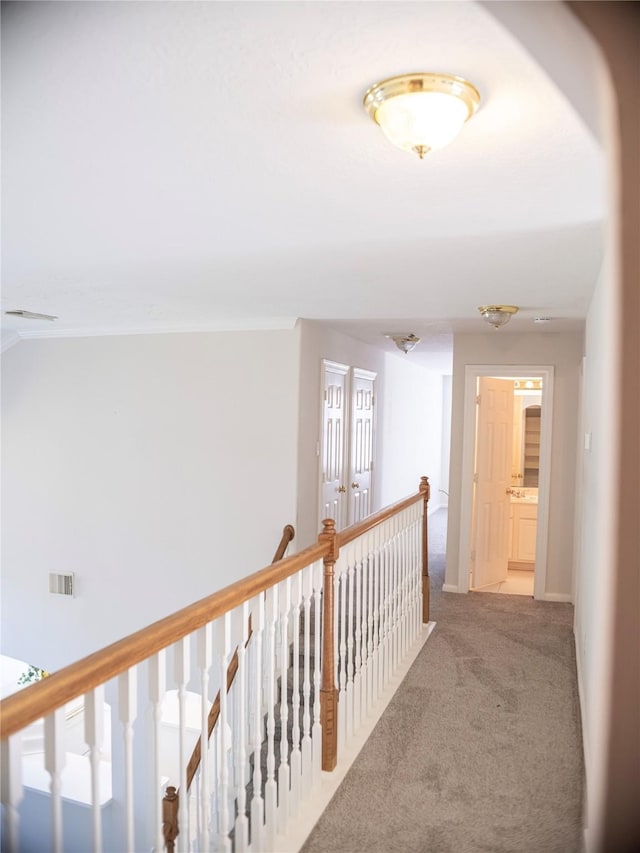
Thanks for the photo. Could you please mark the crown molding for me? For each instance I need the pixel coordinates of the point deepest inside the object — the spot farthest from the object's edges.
(251, 324)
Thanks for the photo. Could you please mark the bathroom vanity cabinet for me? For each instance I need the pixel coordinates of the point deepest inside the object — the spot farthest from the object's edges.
(524, 523)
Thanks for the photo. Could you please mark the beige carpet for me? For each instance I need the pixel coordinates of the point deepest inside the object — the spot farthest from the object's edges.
(480, 748)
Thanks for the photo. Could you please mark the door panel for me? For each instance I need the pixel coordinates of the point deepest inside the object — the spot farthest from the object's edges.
(361, 449)
(333, 460)
(493, 478)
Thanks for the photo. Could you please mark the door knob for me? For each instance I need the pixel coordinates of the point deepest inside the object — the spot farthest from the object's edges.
(355, 485)
(341, 489)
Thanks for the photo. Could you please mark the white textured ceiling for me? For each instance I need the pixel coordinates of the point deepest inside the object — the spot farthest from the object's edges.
(202, 165)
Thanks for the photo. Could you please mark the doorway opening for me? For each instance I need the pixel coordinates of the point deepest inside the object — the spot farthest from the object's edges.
(507, 471)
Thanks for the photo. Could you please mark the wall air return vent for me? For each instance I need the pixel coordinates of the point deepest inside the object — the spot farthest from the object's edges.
(61, 584)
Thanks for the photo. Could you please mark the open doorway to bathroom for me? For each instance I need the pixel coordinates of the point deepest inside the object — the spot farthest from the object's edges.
(507, 428)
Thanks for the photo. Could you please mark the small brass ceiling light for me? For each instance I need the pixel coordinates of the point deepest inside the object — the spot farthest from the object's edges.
(422, 112)
(497, 315)
(405, 342)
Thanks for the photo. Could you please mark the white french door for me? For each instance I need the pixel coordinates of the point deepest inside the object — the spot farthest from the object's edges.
(361, 445)
(346, 443)
(333, 447)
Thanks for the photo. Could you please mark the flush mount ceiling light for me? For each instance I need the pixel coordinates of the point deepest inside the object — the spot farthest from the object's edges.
(404, 342)
(497, 315)
(422, 112)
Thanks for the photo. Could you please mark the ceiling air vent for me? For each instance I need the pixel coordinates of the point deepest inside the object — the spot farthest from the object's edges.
(61, 584)
(30, 315)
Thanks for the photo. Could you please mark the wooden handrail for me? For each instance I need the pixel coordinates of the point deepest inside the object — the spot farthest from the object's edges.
(22, 708)
(171, 799)
(288, 532)
(25, 707)
(350, 533)
(28, 705)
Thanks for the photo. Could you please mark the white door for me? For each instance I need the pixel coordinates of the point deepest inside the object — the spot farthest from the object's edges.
(493, 477)
(361, 445)
(333, 462)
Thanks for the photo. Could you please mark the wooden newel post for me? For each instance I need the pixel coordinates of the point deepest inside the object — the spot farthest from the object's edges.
(329, 690)
(170, 818)
(425, 490)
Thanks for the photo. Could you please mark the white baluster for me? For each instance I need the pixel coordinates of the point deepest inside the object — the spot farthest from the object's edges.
(316, 730)
(296, 755)
(395, 586)
(242, 824)
(223, 642)
(342, 651)
(402, 591)
(283, 770)
(408, 557)
(307, 589)
(360, 657)
(402, 573)
(196, 797)
(408, 548)
(351, 628)
(204, 656)
(257, 803)
(182, 674)
(11, 789)
(368, 614)
(128, 711)
(93, 735)
(54, 761)
(271, 788)
(157, 686)
(377, 562)
(418, 561)
(388, 612)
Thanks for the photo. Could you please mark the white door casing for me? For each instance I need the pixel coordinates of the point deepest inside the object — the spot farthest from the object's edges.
(333, 442)
(490, 556)
(361, 448)
(472, 372)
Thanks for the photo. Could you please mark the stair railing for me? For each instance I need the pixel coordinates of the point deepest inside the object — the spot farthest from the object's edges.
(350, 606)
(172, 800)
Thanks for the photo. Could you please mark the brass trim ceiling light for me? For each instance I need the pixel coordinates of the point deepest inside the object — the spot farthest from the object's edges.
(497, 315)
(422, 112)
(405, 343)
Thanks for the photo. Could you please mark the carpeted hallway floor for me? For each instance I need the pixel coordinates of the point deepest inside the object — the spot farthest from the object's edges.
(480, 748)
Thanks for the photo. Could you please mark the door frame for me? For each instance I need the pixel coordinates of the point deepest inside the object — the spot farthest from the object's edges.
(472, 373)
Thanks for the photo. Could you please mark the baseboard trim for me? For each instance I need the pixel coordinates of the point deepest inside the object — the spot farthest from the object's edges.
(433, 509)
(450, 587)
(557, 596)
(586, 835)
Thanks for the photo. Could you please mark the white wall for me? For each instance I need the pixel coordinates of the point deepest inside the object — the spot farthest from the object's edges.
(157, 468)
(409, 400)
(446, 439)
(595, 565)
(565, 353)
(410, 429)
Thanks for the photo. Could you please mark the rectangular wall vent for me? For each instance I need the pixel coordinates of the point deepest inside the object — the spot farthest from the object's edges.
(61, 584)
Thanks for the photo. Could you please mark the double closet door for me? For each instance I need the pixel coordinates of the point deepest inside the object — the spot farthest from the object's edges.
(346, 443)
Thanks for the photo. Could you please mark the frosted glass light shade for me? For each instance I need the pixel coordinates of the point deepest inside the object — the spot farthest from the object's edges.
(422, 112)
(497, 315)
(428, 119)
